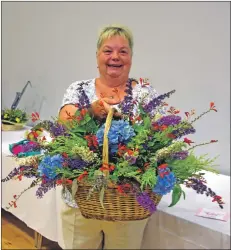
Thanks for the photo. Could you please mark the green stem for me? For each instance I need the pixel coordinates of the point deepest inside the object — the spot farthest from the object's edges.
(201, 144)
(198, 117)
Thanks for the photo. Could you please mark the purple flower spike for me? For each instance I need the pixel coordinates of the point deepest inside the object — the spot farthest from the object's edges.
(169, 120)
(155, 102)
(127, 104)
(84, 101)
(180, 155)
(130, 158)
(145, 201)
(76, 163)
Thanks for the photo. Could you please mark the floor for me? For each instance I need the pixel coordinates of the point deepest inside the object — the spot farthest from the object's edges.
(16, 235)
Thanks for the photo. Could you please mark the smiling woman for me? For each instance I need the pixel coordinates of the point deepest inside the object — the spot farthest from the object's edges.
(114, 58)
(113, 88)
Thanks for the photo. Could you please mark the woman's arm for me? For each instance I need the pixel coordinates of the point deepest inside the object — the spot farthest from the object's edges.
(66, 112)
(98, 108)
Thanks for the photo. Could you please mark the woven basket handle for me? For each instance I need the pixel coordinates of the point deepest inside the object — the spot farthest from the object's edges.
(105, 140)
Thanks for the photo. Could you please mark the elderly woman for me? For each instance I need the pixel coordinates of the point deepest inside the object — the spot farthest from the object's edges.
(113, 86)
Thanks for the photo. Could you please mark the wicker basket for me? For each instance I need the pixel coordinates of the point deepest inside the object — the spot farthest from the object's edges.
(12, 127)
(117, 207)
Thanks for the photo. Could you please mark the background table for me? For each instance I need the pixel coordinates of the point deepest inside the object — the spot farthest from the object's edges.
(169, 228)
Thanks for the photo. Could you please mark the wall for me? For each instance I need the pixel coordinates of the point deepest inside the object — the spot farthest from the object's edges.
(178, 45)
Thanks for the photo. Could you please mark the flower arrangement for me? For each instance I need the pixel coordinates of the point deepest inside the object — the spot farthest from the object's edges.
(147, 150)
(14, 116)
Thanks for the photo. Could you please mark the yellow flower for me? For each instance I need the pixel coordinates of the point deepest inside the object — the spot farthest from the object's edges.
(6, 115)
(17, 119)
(157, 116)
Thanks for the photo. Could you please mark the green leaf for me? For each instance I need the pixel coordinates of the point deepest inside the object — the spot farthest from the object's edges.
(183, 169)
(91, 127)
(98, 172)
(147, 122)
(101, 196)
(86, 125)
(151, 143)
(141, 109)
(148, 179)
(79, 129)
(137, 128)
(176, 194)
(114, 177)
(184, 195)
(74, 188)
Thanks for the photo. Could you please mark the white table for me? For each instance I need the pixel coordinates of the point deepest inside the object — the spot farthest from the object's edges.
(178, 227)
(169, 228)
(36, 213)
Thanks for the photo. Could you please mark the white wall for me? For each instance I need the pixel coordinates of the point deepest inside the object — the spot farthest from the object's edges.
(178, 45)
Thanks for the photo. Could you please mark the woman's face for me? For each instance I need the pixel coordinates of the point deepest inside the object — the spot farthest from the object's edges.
(114, 58)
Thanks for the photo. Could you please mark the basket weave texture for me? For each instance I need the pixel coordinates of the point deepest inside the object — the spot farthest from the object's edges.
(117, 207)
(9, 127)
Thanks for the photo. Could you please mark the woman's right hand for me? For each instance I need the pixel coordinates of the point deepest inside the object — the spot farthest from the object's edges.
(101, 107)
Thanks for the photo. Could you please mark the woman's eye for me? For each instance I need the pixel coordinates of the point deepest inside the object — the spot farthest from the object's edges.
(124, 52)
(107, 51)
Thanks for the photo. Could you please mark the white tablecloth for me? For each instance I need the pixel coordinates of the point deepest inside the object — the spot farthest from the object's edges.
(169, 228)
(39, 214)
(178, 227)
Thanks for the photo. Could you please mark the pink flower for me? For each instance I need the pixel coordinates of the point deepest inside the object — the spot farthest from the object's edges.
(17, 149)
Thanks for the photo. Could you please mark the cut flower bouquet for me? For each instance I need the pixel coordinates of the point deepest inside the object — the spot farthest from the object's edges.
(139, 155)
(13, 119)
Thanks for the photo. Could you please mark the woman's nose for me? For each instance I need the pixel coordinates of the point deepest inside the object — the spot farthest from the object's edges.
(115, 55)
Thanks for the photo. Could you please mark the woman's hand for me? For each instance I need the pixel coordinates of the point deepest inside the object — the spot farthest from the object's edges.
(101, 107)
(67, 112)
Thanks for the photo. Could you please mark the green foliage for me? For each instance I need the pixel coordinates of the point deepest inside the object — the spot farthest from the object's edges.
(67, 173)
(140, 138)
(149, 178)
(161, 139)
(184, 124)
(183, 169)
(14, 116)
(92, 173)
(65, 144)
(176, 194)
(141, 110)
(85, 125)
(123, 169)
(147, 122)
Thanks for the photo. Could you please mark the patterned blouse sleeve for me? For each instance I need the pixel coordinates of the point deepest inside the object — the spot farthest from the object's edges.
(71, 95)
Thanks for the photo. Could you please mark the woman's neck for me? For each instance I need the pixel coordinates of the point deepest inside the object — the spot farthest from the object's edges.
(115, 89)
(119, 83)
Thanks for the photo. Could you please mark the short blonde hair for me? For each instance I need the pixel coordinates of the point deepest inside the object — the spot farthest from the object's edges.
(115, 30)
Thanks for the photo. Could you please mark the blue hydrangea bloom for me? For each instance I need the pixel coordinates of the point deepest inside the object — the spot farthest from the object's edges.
(120, 132)
(165, 184)
(48, 166)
